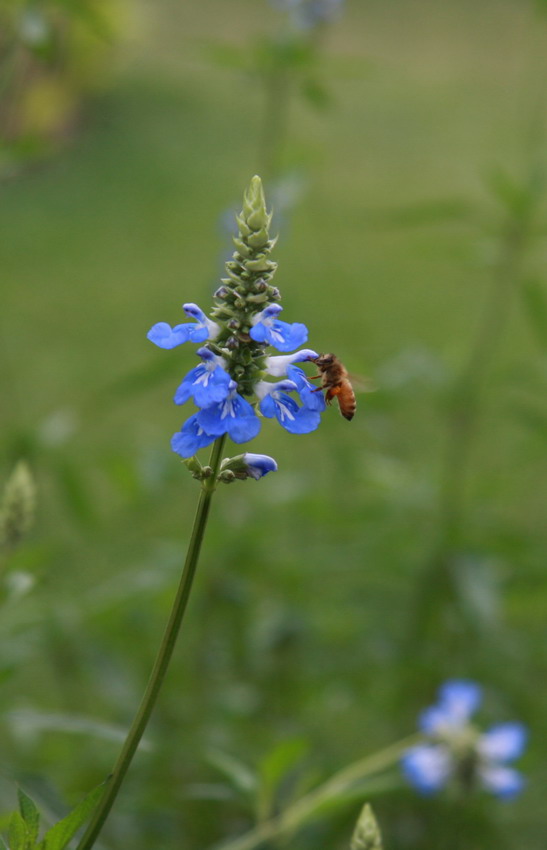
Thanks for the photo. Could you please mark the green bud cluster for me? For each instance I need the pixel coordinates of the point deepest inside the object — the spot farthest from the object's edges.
(246, 291)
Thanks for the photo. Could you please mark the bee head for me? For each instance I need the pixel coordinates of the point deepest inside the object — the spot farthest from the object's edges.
(325, 359)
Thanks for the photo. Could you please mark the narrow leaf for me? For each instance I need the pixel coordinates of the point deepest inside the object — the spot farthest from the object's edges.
(30, 815)
(59, 835)
(17, 833)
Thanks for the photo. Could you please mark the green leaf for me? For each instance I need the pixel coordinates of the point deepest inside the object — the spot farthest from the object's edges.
(30, 815)
(18, 833)
(59, 835)
(240, 776)
(274, 769)
(367, 832)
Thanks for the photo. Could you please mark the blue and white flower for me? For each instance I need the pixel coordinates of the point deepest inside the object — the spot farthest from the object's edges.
(456, 750)
(276, 403)
(207, 383)
(233, 416)
(267, 328)
(164, 336)
(277, 365)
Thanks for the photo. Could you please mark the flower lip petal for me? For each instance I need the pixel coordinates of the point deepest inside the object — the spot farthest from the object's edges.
(503, 742)
(190, 438)
(505, 782)
(164, 336)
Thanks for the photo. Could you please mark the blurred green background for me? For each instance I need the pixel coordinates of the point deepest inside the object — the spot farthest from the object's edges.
(386, 554)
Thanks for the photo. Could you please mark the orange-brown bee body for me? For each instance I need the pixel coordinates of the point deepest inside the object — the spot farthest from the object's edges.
(335, 381)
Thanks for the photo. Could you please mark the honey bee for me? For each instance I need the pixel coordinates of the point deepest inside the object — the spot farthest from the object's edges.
(336, 382)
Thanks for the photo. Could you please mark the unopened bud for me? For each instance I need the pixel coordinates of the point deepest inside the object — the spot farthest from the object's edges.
(17, 506)
(367, 832)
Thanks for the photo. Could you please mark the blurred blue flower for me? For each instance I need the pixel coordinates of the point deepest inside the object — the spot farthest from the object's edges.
(276, 403)
(307, 14)
(267, 328)
(164, 336)
(455, 749)
(207, 383)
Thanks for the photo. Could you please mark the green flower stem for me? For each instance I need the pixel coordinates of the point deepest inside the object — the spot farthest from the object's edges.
(164, 655)
(338, 784)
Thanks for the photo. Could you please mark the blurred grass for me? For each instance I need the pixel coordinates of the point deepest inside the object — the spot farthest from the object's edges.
(301, 616)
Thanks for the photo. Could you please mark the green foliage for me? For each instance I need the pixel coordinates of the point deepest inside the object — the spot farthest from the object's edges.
(302, 623)
(24, 824)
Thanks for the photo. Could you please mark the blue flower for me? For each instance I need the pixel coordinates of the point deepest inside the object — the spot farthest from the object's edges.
(268, 329)
(190, 438)
(277, 365)
(276, 402)
(309, 13)
(233, 416)
(259, 465)
(207, 383)
(164, 336)
(454, 744)
(311, 396)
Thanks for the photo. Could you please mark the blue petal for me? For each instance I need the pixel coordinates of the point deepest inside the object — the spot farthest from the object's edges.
(504, 782)
(190, 438)
(460, 698)
(164, 336)
(197, 333)
(214, 386)
(210, 420)
(234, 416)
(267, 407)
(206, 385)
(184, 390)
(245, 427)
(280, 334)
(312, 398)
(427, 767)
(436, 719)
(304, 421)
(503, 742)
(259, 333)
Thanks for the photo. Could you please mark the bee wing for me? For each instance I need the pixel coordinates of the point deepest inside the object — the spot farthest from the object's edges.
(362, 384)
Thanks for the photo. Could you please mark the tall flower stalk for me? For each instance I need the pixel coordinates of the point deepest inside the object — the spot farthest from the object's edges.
(231, 391)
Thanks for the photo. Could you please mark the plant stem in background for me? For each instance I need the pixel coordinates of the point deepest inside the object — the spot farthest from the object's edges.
(337, 785)
(466, 407)
(164, 655)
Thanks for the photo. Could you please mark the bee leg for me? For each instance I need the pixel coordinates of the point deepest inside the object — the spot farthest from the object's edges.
(315, 377)
(331, 393)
